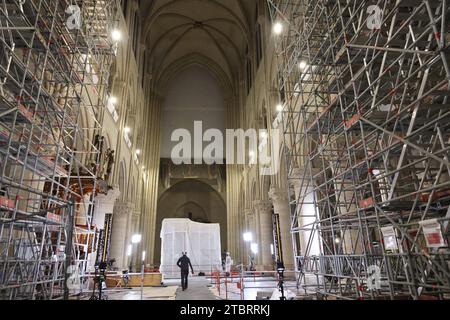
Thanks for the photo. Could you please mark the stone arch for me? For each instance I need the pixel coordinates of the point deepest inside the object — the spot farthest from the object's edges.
(191, 194)
(195, 59)
(192, 211)
(233, 17)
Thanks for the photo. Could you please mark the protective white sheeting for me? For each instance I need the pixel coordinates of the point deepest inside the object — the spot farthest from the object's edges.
(200, 240)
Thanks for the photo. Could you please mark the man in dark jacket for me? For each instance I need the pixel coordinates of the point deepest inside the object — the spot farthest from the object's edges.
(184, 263)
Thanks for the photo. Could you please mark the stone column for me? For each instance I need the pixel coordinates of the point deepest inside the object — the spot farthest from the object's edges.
(347, 241)
(104, 204)
(135, 223)
(281, 207)
(307, 214)
(122, 220)
(232, 199)
(308, 234)
(264, 213)
(151, 160)
(249, 227)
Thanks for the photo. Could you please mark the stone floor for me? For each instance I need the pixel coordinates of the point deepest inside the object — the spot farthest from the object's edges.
(198, 289)
(148, 293)
(202, 288)
(254, 287)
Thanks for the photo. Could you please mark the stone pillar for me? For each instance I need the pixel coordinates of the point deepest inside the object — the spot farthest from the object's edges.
(104, 203)
(264, 213)
(135, 223)
(307, 214)
(308, 234)
(249, 227)
(232, 199)
(151, 160)
(281, 207)
(351, 241)
(122, 223)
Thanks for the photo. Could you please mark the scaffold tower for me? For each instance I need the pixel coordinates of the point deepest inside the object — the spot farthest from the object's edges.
(55, 61)
(365, 89)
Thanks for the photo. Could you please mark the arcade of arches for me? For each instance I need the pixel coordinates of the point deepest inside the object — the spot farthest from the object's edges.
(180, 62)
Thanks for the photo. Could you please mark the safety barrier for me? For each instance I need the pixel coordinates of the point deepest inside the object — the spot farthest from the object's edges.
(234, 284)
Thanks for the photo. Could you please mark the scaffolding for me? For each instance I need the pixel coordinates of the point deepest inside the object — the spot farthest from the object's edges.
(365, 87)
(55, 60)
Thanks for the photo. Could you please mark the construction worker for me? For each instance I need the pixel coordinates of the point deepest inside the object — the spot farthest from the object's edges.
(184, 263)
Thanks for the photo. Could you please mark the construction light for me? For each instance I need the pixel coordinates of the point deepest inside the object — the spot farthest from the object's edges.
(251, 154)
(278, 28)
(271, 249)
(116, 35)
(254, 248)
(303, 65)
(263, 134)
(337, 240)
(138, 151)
(248, 236)
(129, 248)
(126, 130)
(143, 167)
(112, 100)
(143, 256)
(136, 238)
(280, 107)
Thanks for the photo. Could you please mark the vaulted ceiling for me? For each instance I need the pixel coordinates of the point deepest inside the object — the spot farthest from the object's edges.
(215, 31)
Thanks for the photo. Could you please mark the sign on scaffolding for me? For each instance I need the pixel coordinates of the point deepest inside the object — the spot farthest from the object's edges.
(433, 233)
(389, 238)
(55, 221)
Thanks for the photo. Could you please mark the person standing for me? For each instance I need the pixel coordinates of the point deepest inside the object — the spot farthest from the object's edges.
(228, 263)
(184, 263)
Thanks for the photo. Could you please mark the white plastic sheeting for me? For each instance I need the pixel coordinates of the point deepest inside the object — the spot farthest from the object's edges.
(200, 240)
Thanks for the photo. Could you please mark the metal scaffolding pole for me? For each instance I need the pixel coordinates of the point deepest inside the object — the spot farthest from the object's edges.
(54, 78)
(365, 88)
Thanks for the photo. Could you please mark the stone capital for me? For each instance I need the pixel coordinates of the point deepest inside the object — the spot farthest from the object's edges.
(262, 206)
(107, 201)
(111, 196)
(123, 208)
(303, 172)
(248, 212)
(278, 195)
(136, 213)
(298, 173)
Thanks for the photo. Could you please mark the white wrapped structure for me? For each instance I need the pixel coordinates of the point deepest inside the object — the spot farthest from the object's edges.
(200, 240)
